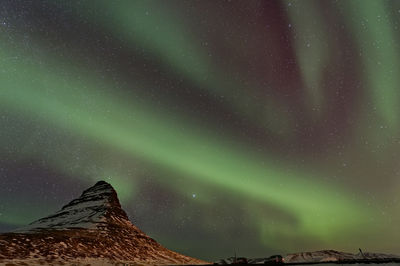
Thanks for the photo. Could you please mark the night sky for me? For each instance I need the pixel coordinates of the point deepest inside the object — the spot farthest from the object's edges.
(257, 126)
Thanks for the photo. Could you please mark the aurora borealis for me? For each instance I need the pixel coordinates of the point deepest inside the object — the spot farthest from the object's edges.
(257, 126)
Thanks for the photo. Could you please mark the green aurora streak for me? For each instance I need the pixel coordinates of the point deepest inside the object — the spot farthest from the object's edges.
(67, 95)
(153, 135)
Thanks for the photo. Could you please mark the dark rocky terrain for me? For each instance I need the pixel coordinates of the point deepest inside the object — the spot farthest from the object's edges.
(92, 229)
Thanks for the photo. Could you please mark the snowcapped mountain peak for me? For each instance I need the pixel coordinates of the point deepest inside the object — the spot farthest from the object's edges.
(92, 227)
(97, 208)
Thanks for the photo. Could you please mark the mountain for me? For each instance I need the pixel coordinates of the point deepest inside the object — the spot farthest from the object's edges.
(316, 257)
(92, 229)
(97, 208)
(333, 255)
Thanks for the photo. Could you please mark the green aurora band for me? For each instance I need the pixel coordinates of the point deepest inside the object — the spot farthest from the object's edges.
(139, 135)
(70, 97)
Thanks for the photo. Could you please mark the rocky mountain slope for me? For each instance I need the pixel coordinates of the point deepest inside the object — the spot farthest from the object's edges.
(92, 229)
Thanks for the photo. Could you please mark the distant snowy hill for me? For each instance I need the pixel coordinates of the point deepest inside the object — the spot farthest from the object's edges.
(90, 229)
(333, 256)
(317, 258)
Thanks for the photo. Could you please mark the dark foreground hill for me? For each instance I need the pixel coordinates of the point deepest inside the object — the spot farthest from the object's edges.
(92, 229)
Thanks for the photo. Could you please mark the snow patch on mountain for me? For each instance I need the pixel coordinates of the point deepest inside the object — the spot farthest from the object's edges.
(91, 227)
(90, 211)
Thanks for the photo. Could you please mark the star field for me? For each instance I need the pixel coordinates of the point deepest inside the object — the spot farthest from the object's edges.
(262, 127)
